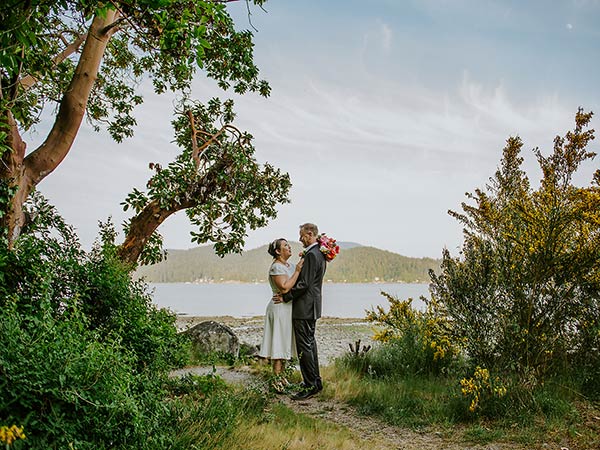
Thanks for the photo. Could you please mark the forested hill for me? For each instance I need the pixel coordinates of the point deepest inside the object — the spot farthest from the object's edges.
(354, 264)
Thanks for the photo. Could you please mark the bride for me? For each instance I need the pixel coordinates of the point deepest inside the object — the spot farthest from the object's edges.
(278, 342)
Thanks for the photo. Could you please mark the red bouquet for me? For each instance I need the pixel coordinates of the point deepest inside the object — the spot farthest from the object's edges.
(328, 247)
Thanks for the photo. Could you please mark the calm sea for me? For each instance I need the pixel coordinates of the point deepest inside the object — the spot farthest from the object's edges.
(247, 300)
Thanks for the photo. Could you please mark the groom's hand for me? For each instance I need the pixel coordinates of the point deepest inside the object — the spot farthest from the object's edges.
(277, 298)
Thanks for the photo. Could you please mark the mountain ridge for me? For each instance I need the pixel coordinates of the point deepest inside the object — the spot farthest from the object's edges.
(355, 264)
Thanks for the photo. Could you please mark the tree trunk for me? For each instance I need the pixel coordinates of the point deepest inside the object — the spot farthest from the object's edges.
(149, 219)
(24, 173)
(141, 228)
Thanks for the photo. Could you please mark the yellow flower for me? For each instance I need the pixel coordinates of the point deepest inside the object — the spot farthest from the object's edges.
(10, 434)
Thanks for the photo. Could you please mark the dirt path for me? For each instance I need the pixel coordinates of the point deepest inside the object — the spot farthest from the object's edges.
(373, 431)
(377, 432)
(333, 336)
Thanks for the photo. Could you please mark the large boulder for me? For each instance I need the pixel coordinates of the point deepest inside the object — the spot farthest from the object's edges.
(210, 337)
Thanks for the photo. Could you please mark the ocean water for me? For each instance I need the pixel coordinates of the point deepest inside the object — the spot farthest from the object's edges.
(247, 300)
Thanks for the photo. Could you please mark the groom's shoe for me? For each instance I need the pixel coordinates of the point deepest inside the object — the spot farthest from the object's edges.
(306, 393)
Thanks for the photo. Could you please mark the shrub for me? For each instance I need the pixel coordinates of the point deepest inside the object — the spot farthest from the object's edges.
(416, 342)
(524, 294)
(480, 388)
(84, 356)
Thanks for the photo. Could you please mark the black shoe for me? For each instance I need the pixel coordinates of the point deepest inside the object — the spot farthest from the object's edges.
(306, 394)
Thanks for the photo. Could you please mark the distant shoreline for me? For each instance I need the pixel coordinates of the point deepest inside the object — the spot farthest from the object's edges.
(245, 300)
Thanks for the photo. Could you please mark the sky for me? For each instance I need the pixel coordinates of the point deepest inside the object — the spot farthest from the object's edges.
(384, 114)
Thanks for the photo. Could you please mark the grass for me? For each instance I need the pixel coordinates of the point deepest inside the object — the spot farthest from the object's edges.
(414, 403)
(553, 414)
(217, 416)
(282, 428)
(435, 404)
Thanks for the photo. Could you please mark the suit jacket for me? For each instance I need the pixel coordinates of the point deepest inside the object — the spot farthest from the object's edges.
(306, 294)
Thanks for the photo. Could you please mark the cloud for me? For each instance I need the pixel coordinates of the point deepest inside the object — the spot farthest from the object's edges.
(382, 131)
(386, 37)
(377, 38)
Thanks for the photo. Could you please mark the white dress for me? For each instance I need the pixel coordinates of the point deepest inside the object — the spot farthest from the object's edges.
(278, 338)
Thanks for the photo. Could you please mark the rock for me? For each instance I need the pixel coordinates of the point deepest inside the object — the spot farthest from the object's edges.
(210, 337)
(249, 350)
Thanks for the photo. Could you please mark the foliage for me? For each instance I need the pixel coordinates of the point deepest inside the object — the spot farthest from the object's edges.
(6, 193)
(166, 41)
(210, 413)
(8, 435)
(549, 414)
(223, 189)
(419, 341)
(84, 356)
(89, 58)
(524, 294)
(480, 387)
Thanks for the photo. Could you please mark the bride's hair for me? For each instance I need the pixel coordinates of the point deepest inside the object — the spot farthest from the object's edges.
(275, 245)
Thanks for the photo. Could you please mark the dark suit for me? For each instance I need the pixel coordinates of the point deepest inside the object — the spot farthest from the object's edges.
(306, 309)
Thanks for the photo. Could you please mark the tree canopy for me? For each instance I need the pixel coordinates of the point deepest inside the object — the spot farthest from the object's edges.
(88, 57)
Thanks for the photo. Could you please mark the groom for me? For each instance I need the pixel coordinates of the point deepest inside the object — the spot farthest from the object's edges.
(306, 309)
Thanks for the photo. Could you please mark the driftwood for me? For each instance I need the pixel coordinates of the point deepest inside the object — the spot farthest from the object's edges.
(356, 349)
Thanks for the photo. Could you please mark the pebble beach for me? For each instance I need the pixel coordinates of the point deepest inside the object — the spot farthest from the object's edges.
(333, 334)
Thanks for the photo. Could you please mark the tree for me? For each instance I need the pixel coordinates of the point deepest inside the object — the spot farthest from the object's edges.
(87, 57)
(215, 179)
(524, 295)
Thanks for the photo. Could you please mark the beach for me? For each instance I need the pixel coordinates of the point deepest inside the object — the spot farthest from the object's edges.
(333, 334)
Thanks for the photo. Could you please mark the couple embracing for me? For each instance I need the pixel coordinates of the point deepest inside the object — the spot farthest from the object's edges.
(292, 313)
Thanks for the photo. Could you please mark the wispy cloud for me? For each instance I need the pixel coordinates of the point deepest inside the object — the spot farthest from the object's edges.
(386, 36)
(381, 136)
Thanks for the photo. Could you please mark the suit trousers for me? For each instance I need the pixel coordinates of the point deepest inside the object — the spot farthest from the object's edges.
(306, 345)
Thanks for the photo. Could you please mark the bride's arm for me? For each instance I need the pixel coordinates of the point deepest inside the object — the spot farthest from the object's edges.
(283, 283)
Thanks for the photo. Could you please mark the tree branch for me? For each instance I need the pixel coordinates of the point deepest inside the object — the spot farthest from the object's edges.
(153, 215)
(195, 151)
(198, 151)
(49, 155)
(29, 80)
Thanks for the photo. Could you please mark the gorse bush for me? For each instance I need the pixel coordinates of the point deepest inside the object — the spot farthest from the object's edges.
(524, 294)
(511, 335)
(417, 342)
(481, 387)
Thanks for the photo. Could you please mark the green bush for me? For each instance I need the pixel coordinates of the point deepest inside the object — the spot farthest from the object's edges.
(84, 356)
(67, 386)
(415, 342)
(523, 296)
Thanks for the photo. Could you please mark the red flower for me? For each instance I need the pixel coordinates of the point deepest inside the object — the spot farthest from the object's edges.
(328, 247)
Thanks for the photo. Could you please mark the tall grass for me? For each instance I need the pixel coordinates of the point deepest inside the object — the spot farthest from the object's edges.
(377, 383)
(283, 429)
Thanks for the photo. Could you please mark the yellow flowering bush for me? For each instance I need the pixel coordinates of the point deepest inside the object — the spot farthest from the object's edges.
(524, 291)
(8, 435)
(424, 336)
(481, 387)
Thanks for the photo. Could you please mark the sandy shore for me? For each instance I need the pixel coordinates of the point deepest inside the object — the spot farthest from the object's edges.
(333, 334)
